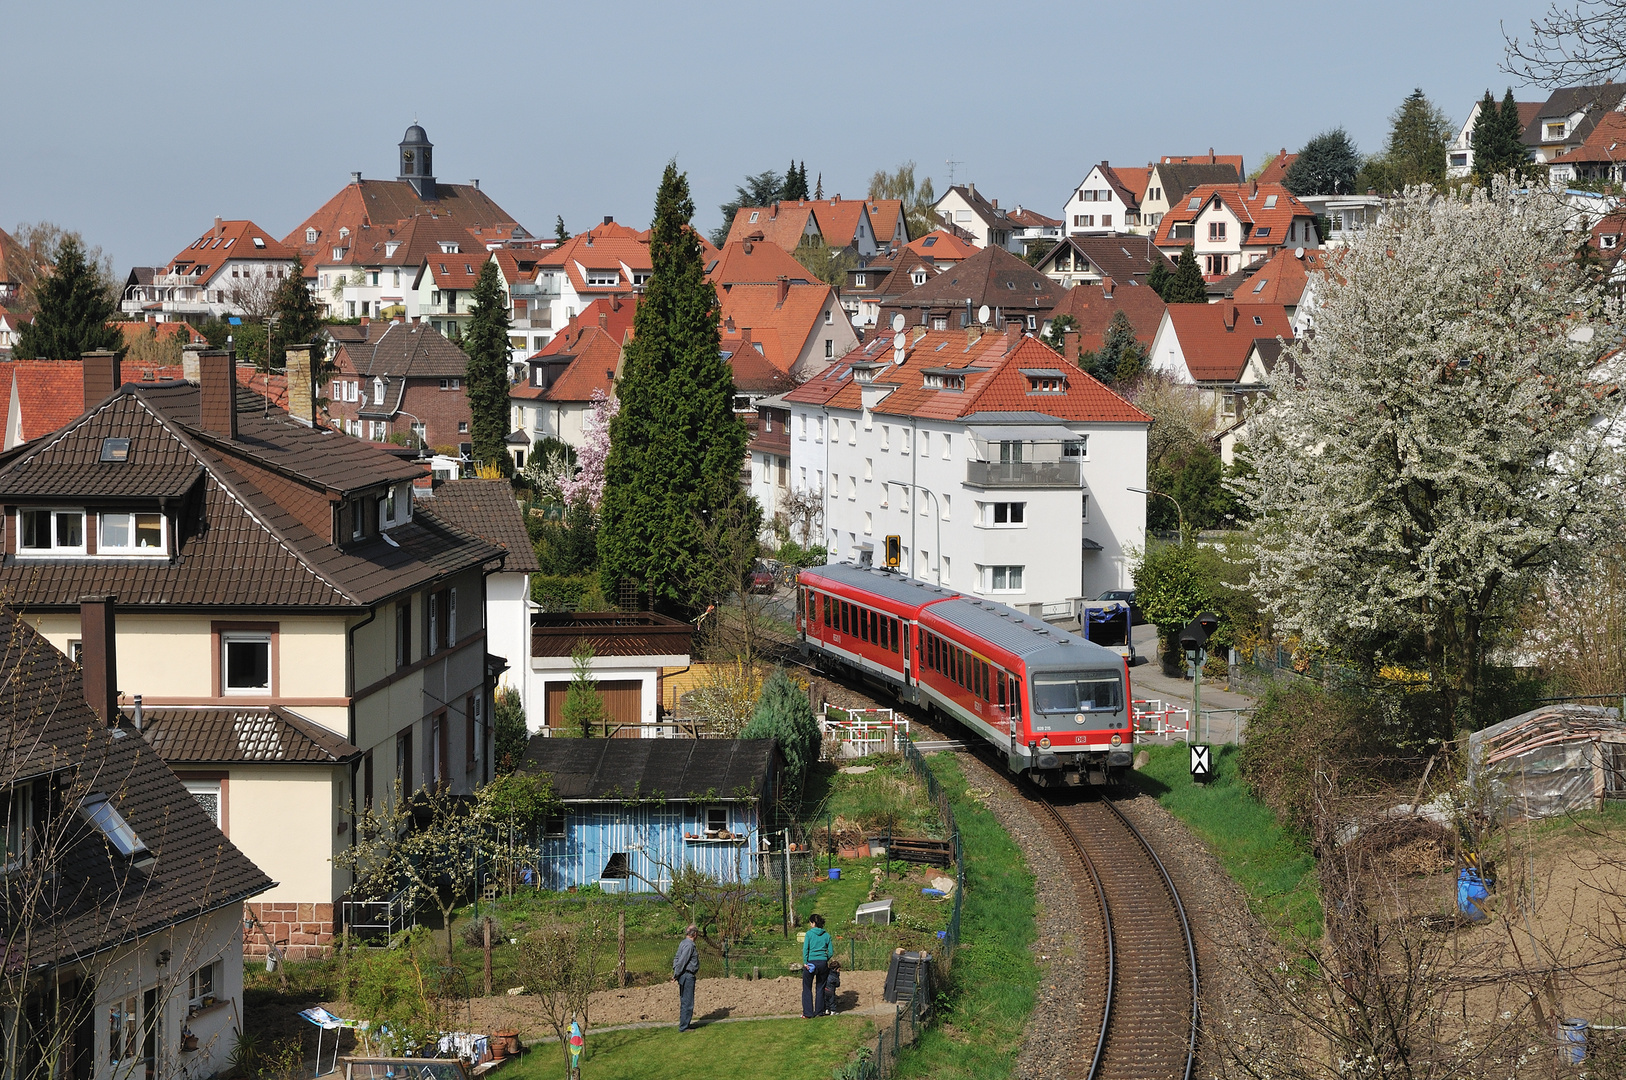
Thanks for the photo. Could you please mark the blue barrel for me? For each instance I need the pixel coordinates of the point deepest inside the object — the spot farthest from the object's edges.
(1471, 893)
(1572, 1041)
(835, 873)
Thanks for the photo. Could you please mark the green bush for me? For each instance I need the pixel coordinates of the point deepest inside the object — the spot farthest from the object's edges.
(793, 554)
(783, 712)
(566, 592)
(510, 732)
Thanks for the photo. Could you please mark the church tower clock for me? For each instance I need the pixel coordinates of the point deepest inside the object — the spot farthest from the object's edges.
(417, 162)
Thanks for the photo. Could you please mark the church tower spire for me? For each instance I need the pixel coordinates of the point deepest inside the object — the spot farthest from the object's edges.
(417, 161)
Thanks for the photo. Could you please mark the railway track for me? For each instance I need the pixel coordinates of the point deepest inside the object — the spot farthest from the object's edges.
(1145, 1009)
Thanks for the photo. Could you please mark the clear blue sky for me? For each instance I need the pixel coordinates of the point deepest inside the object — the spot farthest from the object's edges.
(137, 123)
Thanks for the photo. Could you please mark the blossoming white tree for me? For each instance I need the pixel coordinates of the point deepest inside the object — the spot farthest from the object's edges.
(588, 482)
(1449, 432)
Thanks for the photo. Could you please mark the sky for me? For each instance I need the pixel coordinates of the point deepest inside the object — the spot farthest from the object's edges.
(137, 124)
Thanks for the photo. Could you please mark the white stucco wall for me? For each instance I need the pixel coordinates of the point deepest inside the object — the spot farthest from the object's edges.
(286, 819)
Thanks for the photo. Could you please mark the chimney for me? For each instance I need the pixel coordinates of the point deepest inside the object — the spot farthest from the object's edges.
(1229, 314)
(784, 290)
(1013, 333)
(973, 334)
(101, 372)
(609, 219)
(1069, 345)
(364, 322)
(1107, 285)
(217, 397)
(995, 204)
(916, 332)
(1255, 194)
(415, 320)
(301, 385)
(745, 335)
(615, 303)
(474, 182)
(189, 360)
(746, 245)
(773, 211)
(355, 178)
(604, 320)
(728, 324)
(220, 230)
(1211, 158)
(98, 657)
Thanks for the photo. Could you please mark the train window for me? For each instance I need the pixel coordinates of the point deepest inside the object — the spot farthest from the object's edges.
(1077, 691)
(999, 686)
(894, 634)
(846, 617)
(1016, 698)
(959, 666)
(866, 619)
(826, 598)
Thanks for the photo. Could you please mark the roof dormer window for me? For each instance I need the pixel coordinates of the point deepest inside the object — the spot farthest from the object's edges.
(51, 532)
(130, 534)
(1557, 130)
(310, 235)
(603, 277)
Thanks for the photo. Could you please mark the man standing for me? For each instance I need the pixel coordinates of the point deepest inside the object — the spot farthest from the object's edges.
(685, 966)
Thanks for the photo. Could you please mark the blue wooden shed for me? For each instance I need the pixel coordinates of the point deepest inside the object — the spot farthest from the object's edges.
(636, 811)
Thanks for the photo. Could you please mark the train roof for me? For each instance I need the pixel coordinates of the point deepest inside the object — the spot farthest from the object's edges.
(883, 583)
(1039, 644)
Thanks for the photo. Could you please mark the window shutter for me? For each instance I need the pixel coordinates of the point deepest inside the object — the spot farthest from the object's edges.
(451, 618)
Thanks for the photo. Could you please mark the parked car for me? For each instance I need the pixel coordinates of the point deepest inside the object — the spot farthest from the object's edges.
(760, 580)
(1128, 597)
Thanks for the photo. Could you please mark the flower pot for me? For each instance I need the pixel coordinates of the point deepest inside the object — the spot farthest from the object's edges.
(847, 853)
(189, 1042)
(863, 851)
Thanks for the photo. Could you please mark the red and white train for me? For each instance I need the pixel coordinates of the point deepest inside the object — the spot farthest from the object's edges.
(1056, 706)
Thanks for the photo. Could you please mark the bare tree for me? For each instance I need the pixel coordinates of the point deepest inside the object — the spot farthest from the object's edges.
(38, 241)
(560, 966)
(1583, 45)
(804, 511)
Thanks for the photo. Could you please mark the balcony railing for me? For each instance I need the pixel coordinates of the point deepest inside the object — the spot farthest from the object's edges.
(1024, 474)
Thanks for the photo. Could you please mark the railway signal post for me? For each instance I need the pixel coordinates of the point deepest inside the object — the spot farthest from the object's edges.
(1192, 640)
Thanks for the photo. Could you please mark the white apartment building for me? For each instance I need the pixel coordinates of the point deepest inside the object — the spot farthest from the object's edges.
(1003, 472)
(1106, 201)
(233, 269)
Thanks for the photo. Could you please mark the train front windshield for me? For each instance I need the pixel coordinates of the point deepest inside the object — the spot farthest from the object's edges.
(1078, 691)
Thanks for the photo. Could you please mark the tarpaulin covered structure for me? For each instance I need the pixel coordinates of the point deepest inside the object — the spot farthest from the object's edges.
(1551, 760)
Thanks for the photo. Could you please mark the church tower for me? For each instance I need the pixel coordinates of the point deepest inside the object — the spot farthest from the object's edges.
(417, 162)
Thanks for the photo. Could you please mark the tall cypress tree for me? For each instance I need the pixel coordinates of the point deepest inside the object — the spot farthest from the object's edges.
(1513, 135)
(1186, 285)
(73, 313)
(487, 380)
(676, 446)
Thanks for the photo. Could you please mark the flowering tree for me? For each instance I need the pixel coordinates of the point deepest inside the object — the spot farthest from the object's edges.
(595, 450)
(1449, 432)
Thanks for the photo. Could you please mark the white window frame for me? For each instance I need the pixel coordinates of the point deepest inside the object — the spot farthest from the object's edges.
(1015, 514)
(17, 837)
(212, 973)
(105, 548)
(229, 638)
(200, 789)
(54, 550)
(603, 278)
(999, 578)
(1077, 448)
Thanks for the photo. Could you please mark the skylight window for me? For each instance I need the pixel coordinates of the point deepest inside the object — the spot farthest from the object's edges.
(111, 824)
(929, 241)
(1257, 321)
(1262, 283)
(1263, 232)
(259, 241)
(1194, 204)
(1270, 202)
(115, 450)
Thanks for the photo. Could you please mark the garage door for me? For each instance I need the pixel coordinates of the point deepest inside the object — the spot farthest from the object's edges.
(623, 704)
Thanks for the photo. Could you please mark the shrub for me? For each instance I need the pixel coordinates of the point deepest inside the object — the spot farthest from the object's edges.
(1296, 731)
(783, 712)
(510, 732)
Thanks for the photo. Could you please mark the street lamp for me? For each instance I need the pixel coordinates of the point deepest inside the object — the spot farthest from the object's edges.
(1177, 508)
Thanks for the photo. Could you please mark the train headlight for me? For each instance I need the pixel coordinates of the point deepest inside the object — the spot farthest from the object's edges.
(1078, 718)
(1116, 741)
(1044, 743)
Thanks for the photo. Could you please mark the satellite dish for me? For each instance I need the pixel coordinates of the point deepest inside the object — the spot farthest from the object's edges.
(897, 321)
(898, 340)
(982, 315)
(898, 355)
(1298, 253)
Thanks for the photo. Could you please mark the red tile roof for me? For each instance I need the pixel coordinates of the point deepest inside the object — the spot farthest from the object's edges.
(1216, 338)
(272, 388)
(784, 224)
(206, 256)
(1281, 279)
(48, 395)
(604, 247)
(1030, 219)
(1123, 183)
(994, 381)
(837, 219)
(790, 320)
(593, 341)
(745, 262)
(1210, 158)
(884, 215)
(162, 331)
(1092, 309)
(1609, 132)
(943, 247)
(1276, 169)
(371, 204)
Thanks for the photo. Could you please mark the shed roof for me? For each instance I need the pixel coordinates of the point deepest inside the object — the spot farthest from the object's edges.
(666, 770)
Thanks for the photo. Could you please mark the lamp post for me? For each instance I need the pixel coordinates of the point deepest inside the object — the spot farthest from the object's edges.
(1177, 507)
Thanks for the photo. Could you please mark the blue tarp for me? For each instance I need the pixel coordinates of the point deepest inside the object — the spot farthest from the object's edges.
(1471, 894)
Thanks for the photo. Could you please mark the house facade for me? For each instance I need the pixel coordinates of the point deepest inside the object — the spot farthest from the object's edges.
(1003, 471)
(1169, 181)
(233, 269)
(885, 277)
(557, 390)
(1234, 225)
(272, 578)
(1106, 201)
(1090, 260)
(631, 652)
(123, 903)
(1208, 346)
(993, 278)
(636, 814)
(984, 223)
(401, 379)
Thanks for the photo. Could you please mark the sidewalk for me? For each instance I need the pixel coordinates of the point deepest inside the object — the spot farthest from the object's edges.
(1220, 722)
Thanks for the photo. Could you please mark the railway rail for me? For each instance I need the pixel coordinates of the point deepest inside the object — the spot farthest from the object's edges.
(1145, 1010)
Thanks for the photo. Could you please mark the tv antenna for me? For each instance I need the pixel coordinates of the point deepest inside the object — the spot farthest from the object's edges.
(951, 163)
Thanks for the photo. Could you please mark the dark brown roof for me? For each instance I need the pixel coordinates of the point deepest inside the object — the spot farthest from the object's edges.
(239, 545)
(406, 350)
(671, 770)
(1595, 101)
(487, 509)
(993, 276)
(1121, 258)
(264, 735)
(96, 899)
(1180, 179)
(158, 465)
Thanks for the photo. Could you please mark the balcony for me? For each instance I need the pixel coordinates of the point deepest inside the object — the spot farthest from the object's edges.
(1024, 474)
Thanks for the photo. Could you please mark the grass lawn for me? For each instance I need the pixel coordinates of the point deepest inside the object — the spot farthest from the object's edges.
(1273, 866)
(769, 1049)
(994, 979)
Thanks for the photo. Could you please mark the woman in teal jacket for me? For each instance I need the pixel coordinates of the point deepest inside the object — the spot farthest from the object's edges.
(817, 948)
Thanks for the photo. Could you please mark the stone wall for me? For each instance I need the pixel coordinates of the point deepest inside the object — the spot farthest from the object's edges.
(301, 931)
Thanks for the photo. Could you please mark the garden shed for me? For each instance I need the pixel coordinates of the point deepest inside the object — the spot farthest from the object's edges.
(636, 811)
(1551, 760)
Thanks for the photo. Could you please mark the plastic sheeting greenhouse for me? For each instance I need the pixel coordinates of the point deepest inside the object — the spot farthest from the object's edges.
(1551, 760)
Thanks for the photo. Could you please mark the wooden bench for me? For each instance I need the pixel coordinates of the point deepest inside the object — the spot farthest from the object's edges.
(927, 852)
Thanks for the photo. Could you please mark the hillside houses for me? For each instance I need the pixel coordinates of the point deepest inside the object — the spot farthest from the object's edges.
(1011, 290)
(1234, 225)
(232, 269)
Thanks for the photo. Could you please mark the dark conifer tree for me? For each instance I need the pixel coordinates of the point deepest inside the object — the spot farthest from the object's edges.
(486, 384)
(676, 446)
(1326, 165)
(560, 233)
(1158, 278)
(74, 310)
(1185, 285)
(298, 322)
